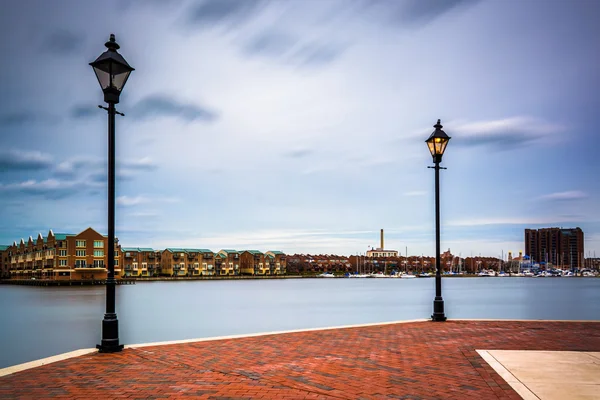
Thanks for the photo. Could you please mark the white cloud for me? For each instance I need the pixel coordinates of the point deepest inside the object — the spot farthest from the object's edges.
(569, 195)
(516, 221)
(128, 201)
(416, 193)
(23, 160)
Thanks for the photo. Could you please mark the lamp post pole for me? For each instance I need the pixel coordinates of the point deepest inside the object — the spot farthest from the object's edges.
(437, 143)
(438, 302)
(112, 72)
(110, 323)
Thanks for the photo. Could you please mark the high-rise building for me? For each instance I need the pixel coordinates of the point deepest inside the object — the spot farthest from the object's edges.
(557, 246)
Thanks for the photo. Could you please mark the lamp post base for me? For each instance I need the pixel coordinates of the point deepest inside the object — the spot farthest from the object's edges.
(438, 310)
(110, 335)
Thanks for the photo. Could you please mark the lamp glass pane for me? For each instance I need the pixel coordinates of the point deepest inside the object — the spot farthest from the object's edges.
(431, 147)
(119, 80)
(444, 144)
(103, 77)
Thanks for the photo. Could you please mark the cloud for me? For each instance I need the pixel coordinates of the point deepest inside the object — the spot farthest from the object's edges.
(299, 153)
(16, 160)
(500, 134)
(26, 117)
(416, 193)
(127, 201)
(75, 165)
(413, 12)
(85, 111)
(504, 133)
(63, 42)
(165, 106)
(50, 188)
(94, 168)
(290, 50)
(517, 221)
(569, 195)
(212, 12)
(145, 163)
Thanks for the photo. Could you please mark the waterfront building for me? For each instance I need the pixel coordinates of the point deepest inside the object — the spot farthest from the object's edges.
(556, 246)
(4, 263)
(140, 261)
(187, 262)
(252, 262)
(380, 252)
(275, 261)
(63, 256)
(227, 262)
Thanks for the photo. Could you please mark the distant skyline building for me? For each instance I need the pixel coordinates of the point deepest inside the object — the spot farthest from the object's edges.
(380, 252)
(557, 246)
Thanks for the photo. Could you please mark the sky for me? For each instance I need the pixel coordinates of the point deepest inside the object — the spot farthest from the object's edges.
(299, 125)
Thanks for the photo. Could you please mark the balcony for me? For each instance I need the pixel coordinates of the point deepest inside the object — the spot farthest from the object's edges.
(175, 256)
(192, 255)
(207, 255)
(151, 255)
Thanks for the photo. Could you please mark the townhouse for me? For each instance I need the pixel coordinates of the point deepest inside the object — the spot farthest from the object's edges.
(227, 262)
(187, 262)
(252, 262)
(63, 256)
(83, 256)
(140, 261)
(4, 263)
(276, 262)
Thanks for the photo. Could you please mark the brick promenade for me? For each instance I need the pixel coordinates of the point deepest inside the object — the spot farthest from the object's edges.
(418, 360)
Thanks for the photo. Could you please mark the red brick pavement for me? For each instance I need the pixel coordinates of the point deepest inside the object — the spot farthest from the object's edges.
(421, 360)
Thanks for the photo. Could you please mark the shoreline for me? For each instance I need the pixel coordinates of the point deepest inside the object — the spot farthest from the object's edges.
(134, 280)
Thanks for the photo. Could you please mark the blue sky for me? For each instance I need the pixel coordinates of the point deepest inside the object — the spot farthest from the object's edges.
(300, 125)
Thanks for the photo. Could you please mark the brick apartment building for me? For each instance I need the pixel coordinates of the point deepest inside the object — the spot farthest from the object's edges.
(557, 246)
(4, 262)
(62, 256)
(140, 261)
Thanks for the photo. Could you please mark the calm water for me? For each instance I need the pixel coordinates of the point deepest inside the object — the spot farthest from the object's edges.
(40, 322)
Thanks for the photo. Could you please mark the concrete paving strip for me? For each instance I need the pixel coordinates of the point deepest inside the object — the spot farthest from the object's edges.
(44, 361)
(548, 375)
(247, 335)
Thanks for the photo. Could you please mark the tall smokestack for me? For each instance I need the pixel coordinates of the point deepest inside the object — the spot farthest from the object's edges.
(382, 240)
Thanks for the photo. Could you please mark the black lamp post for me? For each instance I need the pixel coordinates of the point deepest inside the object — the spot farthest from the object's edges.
(112, 72)
(437, 143)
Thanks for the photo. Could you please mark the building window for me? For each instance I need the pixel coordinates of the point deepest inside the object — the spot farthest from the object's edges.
(98, 263)
(135, 265)
(116, 253)
(98, 244)
(80, 264)
(196, 265)
(80, 253)
(98, 253)
(80, 243)
(116, 261)
(62, 253)
(62, 263)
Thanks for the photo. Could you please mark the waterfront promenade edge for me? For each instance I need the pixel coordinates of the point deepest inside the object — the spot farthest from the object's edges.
(413, 358)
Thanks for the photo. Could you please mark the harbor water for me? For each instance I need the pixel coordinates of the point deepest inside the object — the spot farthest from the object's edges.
(38, 322)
